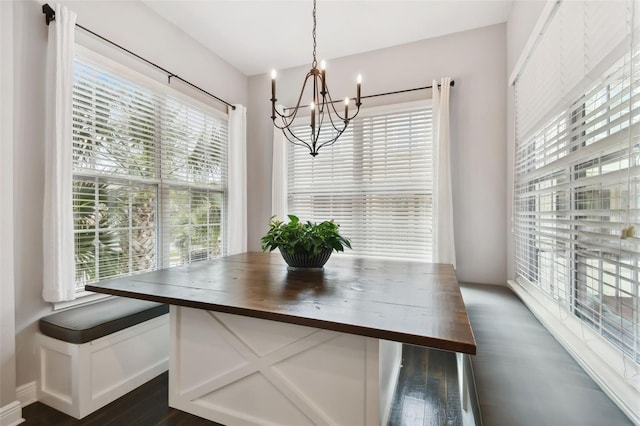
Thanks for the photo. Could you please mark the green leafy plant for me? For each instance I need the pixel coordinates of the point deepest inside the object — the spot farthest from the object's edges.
(301, 237)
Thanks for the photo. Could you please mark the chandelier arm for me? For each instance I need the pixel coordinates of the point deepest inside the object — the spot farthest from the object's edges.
(333, 124)
(286, 127)
(332, 102)
(337, 114)
(331, 141)
(326, 110)
(339, 117)
(344, 121)
(321, 122)
(339, 131)
(286, 120)
(292, 116)
(291, 137)
(285, 124)
(294, 139)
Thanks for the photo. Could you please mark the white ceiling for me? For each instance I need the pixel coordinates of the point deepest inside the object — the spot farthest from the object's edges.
(259, 35)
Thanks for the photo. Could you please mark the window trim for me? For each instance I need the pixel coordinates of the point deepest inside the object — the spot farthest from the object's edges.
(94, 58)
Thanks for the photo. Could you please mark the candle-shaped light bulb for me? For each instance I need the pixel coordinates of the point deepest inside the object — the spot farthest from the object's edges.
(359, 82)
(346, 109)
(323, 65)
(312, 107)
(273, 84)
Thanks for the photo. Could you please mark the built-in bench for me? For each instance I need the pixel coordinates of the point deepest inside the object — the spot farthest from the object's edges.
(94, 354)
(522, 374)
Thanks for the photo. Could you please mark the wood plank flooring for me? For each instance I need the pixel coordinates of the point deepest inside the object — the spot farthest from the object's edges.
(145, 406)
(426, 395)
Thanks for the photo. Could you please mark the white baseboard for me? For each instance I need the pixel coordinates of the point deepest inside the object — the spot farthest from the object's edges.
(11, 414)
(26, 394)
(570, 334)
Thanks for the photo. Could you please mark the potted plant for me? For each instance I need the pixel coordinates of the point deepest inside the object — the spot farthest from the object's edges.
(304, 245)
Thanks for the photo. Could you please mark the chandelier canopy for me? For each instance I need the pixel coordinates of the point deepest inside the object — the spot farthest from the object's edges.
(322, 108)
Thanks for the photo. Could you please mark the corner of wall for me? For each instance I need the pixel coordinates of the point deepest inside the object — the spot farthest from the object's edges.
(7, 301)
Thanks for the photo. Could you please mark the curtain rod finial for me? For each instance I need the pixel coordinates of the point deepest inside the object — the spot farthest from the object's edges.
(49, 13)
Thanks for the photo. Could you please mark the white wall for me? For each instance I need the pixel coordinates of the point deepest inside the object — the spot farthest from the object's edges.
(477, 61)
(7, 321)
(522, 19)
(133, 25)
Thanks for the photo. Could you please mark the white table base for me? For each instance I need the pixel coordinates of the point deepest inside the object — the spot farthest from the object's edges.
(239, 370)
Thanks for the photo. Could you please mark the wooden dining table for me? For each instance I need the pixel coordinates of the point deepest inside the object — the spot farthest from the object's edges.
(256, 342)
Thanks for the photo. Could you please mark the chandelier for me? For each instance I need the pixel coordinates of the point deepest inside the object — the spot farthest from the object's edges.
(322, 108)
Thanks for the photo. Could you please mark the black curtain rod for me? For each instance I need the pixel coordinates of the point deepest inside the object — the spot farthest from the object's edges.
(50, 15)
(453, 83)
(387, 93)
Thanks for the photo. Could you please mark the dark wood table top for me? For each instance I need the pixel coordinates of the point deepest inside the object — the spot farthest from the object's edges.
(410, 302)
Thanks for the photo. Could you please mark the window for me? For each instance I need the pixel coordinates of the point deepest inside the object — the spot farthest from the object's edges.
(150, 173)
(577, 188)
(375, 181)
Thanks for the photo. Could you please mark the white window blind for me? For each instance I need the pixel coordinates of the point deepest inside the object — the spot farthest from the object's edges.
(375, 181)
(580, 43)
(577, 169)
(150, 172)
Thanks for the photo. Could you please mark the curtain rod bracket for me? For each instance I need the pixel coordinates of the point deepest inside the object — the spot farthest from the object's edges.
(49, 13)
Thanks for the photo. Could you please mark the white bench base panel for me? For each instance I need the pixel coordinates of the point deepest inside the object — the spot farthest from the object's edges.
(78, 379)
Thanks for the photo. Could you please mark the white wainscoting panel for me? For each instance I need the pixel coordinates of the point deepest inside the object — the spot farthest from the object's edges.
(238, 370)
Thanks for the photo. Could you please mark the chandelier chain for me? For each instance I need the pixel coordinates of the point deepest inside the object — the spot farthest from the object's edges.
(315, 62)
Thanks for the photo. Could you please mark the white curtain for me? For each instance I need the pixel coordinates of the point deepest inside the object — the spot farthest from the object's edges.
(237, 187)
(444, 250)
(58, 247)
(279, 174)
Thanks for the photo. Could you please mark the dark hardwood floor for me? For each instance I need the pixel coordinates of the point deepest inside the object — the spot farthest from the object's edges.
(144, 406)
(426, 395)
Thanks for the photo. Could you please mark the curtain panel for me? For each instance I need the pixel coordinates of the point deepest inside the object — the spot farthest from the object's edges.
(279, 173)
(237, 207)
(444, 250)
(59, 268)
